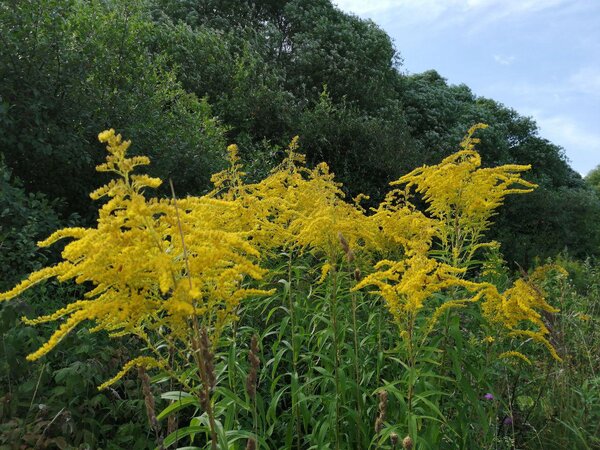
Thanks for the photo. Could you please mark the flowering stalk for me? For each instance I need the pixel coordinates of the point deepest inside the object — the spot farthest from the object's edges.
(336, 354)
(295, 410)
(354, 276)
(252, 378)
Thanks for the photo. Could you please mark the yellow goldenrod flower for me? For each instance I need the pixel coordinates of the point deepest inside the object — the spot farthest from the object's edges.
(151, 264)
(462, 197)
(324, 271)
(514, 354)
(142, 361)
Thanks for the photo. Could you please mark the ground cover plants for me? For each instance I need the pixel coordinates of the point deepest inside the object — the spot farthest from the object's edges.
(280, 314)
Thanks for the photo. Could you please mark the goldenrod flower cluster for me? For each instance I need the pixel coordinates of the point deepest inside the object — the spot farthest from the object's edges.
(462, 197)
(405, 285)
(297, 208)
(523, 303)
(153, 264)
(167, 266)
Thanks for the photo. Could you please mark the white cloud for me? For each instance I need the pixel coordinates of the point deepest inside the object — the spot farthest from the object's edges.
(582, 146)
(568, 88)
(586, 81)
(411, 11)
(477, 14)
(505, 8)
(365, 8)
(504, 60)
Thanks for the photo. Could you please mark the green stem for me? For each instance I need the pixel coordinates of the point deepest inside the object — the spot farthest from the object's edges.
(255, 418)
(411, 375)
(336, 358)
(295, 411)
(379, 347)
(356, 371)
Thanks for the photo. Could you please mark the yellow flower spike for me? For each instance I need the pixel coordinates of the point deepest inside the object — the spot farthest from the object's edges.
(446, 306)
(294, 158)
(406, 285)
(468, 143)
(74, 320)
(324, 272)
(33, 279)
(514, 354)
(80, 304)
(228, 183)
(106, 135)
(140, 181)
(142, 361)
(233, 152)
(537, 337)
(357, 201)
(75, 232)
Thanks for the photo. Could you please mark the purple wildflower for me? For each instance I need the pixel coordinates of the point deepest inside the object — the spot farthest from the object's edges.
(488, 396)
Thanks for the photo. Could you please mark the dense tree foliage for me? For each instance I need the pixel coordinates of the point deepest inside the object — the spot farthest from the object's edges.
(593, 179)
(24, 220)
(68, 67)
(183, 78)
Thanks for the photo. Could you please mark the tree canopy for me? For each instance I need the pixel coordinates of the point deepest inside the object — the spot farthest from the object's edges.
(593, 179)
(185, 78)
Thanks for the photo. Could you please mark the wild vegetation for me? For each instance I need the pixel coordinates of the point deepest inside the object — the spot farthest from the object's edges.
(439, 292)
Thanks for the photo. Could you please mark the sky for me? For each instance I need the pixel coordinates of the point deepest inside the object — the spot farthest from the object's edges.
(539, 57)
